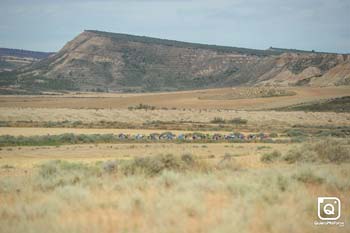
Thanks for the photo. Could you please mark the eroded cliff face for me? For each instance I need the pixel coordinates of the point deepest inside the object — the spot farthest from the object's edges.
(116, 62)
(308, 69)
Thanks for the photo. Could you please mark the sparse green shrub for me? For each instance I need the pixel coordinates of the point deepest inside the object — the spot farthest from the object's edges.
(325, 151)
(55, 167)
(218, 120)
(271, 157)
(168, 178)
(282, 183)
(48, 169)
(155, 165)
(276, 92)
(6, 166)
(332, 150)
(308, 177)
(188, 159)
(54, 140)
(300, 154)
(142, 106)
(342, 132)
(72, 194)
(267, 140)
(295, 133)
(238, 120)
(298, 139)
(59, 173)
(189, 194)
(110, 166)
(228, 163)
(152, 165)
(77, 123)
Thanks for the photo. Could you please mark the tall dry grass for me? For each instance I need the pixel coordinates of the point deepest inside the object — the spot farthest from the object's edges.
(188, 115)
(170, 194)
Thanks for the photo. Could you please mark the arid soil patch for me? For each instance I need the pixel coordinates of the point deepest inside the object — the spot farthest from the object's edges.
(273, 118)
(202, 99)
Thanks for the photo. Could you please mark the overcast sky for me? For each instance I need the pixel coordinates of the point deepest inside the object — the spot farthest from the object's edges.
(322, 25)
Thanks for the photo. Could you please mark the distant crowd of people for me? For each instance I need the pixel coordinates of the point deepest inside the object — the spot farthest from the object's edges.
(195, 136)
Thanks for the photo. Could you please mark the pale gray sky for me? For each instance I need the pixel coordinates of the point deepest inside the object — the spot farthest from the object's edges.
(322, 25)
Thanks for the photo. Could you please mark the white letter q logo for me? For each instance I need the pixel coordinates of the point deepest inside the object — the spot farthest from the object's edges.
(328, 208)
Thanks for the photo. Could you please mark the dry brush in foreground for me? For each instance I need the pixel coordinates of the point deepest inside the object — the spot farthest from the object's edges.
(166, 193)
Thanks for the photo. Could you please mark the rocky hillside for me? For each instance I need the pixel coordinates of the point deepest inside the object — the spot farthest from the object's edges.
(11, 59)
(101, 61)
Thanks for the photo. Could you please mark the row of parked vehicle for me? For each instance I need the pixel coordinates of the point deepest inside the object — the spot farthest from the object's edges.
(194, 136)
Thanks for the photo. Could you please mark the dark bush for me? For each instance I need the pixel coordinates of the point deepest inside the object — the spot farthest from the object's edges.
(308, 177)
(228, 163)
(325, 151)
(152, 165)
(142, 106)
(218, 120)
(110, 166)
(53, 140)
(188, 159)
(295, 133)
(238, 120)
(271, 157)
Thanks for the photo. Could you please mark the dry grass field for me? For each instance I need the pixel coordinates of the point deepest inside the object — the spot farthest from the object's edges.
(259, 118)
(79, 193)
(20, 131)
(201, 99)
(172, 186)
(27, 157)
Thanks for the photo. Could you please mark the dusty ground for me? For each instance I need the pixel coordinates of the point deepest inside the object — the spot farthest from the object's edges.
(251, 196)
(189, 99)
(139, 116)
(20, 131)
(191, 106)
(26, 157)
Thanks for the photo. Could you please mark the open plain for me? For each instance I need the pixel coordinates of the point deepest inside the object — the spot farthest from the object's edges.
(90, 183)
(211, 117)
(226, 98)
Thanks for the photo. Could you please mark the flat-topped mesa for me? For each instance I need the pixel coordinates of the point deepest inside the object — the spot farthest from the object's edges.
(104, 61)
(180, 44)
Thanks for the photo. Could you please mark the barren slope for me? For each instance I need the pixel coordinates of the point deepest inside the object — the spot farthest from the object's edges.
(100, 61)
